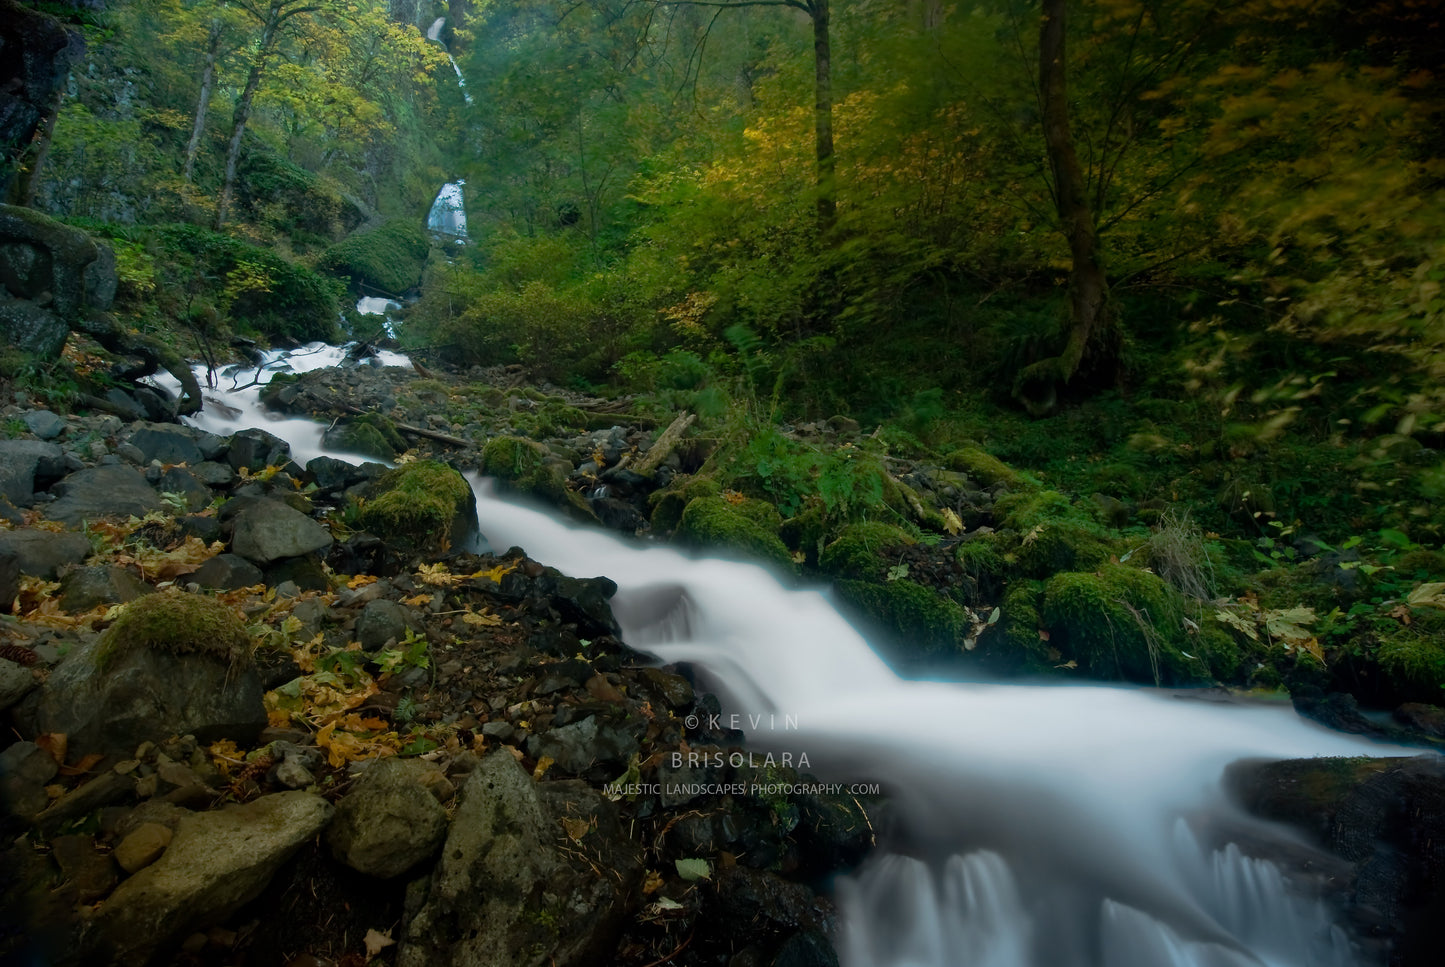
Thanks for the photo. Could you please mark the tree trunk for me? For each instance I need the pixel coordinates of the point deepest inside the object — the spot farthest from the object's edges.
(208, 83)
(1091, 333)
(27, 181)
(823, 116)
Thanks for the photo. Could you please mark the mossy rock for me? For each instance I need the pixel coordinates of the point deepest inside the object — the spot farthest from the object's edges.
(713, 522)
(1020, 648)
(920, 617)
(669, 503)
(1120, 623)
(983, 467)
(524, 466)
(1054, 534)
(1227, 657)
(1412, 661)
(807, 532)
(555, 419)
(981, 560)
(1427, 564)
(861, 551)
(178, 623)
(422, 506)
(369, 435)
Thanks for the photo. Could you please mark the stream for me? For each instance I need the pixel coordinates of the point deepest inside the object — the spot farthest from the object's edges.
(1028, 825)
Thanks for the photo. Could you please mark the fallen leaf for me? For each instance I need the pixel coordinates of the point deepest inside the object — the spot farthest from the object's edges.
(543, 764)
(83, 766)
(693, 869)
(495, 574)
(652, 883)
(1430, 595)
(361, 581)
(576, 828)
(376, 942)
(483, 618)
(55, 743)
(951, 521)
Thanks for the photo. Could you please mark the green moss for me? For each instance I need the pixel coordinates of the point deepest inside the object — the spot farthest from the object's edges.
(390, 258)
(417, 504)
(916, 614)
(522, 465)
(981, 560)
(713, 522)
(668, 503)
(983, 467)
(1023, 649)
(1429, 564)
(807, 532)
(371, 435)
(861, 551)
(1413, 662)
(556, 418)
(177, 623)
(1119, 622)
(1227, 660)
(1054, 534)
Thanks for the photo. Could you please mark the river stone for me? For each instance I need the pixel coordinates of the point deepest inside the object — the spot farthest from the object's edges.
(86, 587)
(254, 450)
(227, 572)
(217, 862)
(269, 530)
(506, 894)
(382, 621)
(176, 480)
(142, 695)
(389, 822)
(43, 553)
(578, 747)
(25, 768)
(45, 424)
(114, 491)
(9, 578)
(330, 474)
(26, 465)
(16, 681)
(214, 474)
(167, 443)
(143, 846)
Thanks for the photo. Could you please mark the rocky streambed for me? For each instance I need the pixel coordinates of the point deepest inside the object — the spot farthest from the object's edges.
(268, 711)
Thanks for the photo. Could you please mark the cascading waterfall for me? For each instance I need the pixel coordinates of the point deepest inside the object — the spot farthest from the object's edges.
(448, 215)
(434, 34)
(1030, 826)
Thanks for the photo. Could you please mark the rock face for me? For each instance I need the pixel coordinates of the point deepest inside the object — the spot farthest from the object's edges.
(51, 275)
(216, 862)
(111, 491)
(390, 822)
(26, 465)
(507, 894)
(1386, 817)
(268, 530)
(38, 56)
(144, 696)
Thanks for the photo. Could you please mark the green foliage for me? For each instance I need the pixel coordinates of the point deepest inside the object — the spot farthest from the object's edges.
(386, 259)
(177, 623)
(522, 465)
(862, 551)
(416, 504)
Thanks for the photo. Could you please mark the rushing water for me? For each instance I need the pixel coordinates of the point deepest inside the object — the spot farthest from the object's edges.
(1031, 826)
(448, 215)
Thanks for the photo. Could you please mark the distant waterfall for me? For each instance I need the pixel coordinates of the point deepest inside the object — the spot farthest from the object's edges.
(448, 214)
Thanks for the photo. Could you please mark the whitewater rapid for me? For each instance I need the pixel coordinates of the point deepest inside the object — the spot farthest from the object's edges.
(1030, 825)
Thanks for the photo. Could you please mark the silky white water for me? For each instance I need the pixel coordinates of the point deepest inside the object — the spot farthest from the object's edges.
(448, 215)
(1031, 826)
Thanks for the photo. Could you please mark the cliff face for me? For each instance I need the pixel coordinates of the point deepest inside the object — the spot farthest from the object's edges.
(36, 53)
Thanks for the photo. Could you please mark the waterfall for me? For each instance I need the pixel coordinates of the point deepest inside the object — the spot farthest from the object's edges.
(1029, 825)
(434, 34)
(448, 215)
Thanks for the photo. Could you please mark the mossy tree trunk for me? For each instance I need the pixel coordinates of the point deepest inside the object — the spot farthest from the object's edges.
(208, 84)
(1091, 332)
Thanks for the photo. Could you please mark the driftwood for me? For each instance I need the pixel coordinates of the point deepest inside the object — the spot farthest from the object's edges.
(447, 438)
(664, 446)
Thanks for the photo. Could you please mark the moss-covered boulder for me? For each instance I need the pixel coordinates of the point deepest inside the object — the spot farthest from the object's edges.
(389, 259)
(1018, 646)
(176, 623)
(714, 522)
(1411, 660)
(173, 663)
(924, 621)
(368, 435)
(983, 467)
(523, 465)
(981, 561)
(861, 551)
(423, 506)
(1053, 534)
(1120, 623)
(669, 503)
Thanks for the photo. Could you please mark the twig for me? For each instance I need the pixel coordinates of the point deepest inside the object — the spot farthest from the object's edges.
(664, 960)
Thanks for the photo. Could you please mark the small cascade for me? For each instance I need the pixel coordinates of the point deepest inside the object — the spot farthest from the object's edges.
(448, 214)
(434, 34)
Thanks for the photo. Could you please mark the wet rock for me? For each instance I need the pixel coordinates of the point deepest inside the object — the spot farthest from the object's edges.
(389, 822)
(217, 862)
(253, 450)
(45, 424)
(1386, 817)
(506, 892)
(1429, 719)
(331, 475)
(674, 690)
(193, 490)
(207, 529)
(43, 553)
(16, 681)
(28, 465)
(381, 621)
(87, 587)
(25, 768)
(584, 601)
(364, 554)
(9, 578)
(113, 491)
(143, 846)
(268, 530)
(228, 572)
(298, 574)
(168, 443)
(113, 703)
(577, 747)
(213, 474)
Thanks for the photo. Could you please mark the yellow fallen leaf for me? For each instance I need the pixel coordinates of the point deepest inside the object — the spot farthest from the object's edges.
(376, 942)
(495, 574)
(361, 581)
(481, 618)
(437, 575)
(543, 764)
(417, 600)
(951, 521)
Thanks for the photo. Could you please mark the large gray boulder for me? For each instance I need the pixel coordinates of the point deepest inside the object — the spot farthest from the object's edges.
(51, 276)
(28, 465)
(253, 450)
(43, 553)
(216, 862)
(98, 492)
(168, 443)
(113, 705)
(513, 888)
(389, 822)
(268, 530)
